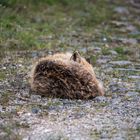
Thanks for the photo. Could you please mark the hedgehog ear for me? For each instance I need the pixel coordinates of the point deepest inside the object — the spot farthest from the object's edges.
(76, 57)
(88, 60)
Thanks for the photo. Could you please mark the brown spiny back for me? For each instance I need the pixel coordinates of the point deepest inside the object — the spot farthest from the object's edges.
(62, 76)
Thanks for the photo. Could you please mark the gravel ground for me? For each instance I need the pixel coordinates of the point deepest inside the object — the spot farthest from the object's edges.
(116, 116)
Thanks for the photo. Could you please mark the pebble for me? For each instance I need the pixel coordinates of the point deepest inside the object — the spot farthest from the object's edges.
(102, 61)
(121, 10)
(35, 110)
(113, 52)
(120, 63)
(130, 93)
(99, 99)
(131, 41)
(97, 49)
(134, 77)
(36, 98)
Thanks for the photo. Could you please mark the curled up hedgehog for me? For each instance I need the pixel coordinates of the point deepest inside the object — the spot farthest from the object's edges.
(65, 76)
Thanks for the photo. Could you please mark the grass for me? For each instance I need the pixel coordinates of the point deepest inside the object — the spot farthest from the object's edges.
(9, 132)
(29, 24)
(106, 51)
(93, 59)
(5, 97)
(95, 134)
(136, 36)
(2, 75)
(119, 50)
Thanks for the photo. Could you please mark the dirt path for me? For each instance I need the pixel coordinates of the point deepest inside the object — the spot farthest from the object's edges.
(115, 52)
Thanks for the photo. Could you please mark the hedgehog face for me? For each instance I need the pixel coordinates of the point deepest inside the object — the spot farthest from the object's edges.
(77, 58)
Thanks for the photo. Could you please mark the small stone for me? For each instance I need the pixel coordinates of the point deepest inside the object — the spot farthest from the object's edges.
(118, 23)
(34, 54)
(1, 108)
(47, 134)
(97, 50)
(134, 77)
(104, 135)
(25, 94)
(100, 99)
(114, 96)
(130, 93)
(124, 69)
(129, 41)
(122, 90)
(131, 28)
(104, 39)
(20, 65)
(3, 135)
(4, 68)
(84, 50)
(120, 63)
(35, 110)
(36, 98)
(102, 61)
(113, 52)
(108, 70)
(121, 10)
(136, 32)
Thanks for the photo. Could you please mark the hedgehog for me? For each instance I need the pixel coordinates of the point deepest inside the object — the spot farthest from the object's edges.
(65, 75)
